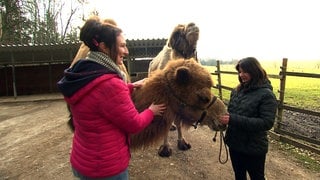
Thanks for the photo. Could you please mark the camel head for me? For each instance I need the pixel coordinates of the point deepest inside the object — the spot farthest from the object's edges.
(183, 41)
(215, 109)
(184, 86)
(188, 86)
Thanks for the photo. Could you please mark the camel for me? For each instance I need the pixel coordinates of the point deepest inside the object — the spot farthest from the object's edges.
(181, 44)
(185, 87)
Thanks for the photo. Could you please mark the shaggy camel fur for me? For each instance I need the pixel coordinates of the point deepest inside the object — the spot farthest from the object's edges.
(185, 87)
(181, 44)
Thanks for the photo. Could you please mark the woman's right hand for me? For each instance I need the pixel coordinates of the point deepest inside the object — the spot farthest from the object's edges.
(139, 83)
(157, 109)
(224, 119)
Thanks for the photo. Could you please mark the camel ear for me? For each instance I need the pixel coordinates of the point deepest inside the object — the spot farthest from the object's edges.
(174, 40)
(183, 75)
(176, 35)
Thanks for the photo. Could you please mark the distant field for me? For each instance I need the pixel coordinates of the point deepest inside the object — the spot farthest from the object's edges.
(299, 92)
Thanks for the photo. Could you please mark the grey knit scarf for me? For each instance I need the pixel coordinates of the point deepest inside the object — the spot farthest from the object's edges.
(105, 61)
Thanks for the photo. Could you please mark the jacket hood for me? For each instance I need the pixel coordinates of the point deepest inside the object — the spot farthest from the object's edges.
(79, 75)
(250, 87)
(266, 84)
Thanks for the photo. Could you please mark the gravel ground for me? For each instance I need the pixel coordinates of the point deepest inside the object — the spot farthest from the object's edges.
(35, 142)
(301, 124)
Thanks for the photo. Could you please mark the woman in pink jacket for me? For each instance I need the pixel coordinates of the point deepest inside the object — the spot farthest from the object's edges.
(103, 113)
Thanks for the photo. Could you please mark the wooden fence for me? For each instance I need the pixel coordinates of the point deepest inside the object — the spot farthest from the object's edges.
(278, 131)
(21, 65)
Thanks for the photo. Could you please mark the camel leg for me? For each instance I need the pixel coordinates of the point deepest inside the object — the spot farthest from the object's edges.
(182, 144)
(165, 150)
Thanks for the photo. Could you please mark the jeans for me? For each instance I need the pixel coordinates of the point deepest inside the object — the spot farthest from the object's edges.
(124, 175)
(243, 163)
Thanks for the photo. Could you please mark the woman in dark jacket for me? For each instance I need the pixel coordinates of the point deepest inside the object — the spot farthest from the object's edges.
(252, 110)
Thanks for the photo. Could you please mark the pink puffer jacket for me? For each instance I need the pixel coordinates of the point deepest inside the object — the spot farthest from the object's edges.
(104, 116)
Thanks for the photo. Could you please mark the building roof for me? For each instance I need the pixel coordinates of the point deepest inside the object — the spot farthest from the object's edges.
(15, 54)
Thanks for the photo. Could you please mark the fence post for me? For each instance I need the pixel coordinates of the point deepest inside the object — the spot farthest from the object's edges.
(13, 76)
(219, 79)
(129, 65)
(50, 73)
(282, 75)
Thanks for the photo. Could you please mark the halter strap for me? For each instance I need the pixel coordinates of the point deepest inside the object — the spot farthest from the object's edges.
(204, 114)
(183, 104)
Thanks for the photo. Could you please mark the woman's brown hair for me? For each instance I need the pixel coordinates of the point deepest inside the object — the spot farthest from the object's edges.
(251, 66)
(94, 32)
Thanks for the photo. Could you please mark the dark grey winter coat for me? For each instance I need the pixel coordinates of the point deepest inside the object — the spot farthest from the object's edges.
(252, 114)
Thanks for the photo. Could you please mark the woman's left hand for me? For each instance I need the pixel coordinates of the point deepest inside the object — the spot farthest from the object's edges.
(139, 83)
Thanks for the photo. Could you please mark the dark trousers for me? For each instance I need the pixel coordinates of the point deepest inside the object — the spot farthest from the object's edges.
(243, 163)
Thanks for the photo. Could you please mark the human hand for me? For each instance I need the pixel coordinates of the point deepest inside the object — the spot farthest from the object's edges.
(224, 119)
(139, 83)
(157, 109)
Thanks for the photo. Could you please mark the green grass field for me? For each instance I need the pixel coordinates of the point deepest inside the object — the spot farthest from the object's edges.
(301, 92)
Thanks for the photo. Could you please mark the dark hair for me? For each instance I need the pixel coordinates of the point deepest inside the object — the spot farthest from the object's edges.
(94, 32)
(252, 66)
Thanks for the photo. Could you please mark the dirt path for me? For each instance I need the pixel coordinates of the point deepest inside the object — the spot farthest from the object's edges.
(35, 144)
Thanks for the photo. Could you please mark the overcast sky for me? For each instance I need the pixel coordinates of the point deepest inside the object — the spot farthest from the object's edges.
(229, 29)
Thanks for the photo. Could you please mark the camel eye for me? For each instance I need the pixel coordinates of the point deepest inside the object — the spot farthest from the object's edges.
(203, 99)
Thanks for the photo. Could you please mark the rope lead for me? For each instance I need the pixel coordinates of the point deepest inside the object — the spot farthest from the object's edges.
(222, 141)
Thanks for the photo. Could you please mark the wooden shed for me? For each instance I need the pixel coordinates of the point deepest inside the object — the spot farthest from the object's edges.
(34, 69)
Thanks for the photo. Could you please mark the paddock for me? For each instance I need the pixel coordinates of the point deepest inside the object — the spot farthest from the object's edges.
(35, 143)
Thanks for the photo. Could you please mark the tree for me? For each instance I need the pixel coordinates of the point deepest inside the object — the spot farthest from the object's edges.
(39, 21)
(13, 21)
(2, 10)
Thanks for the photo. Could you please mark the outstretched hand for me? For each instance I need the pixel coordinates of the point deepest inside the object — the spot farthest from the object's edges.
(157, 109)
(139, 83)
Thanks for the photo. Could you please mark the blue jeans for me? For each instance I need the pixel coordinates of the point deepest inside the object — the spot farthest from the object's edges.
(124, 175)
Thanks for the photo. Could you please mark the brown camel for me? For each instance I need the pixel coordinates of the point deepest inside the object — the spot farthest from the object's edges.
(185, 87)
(182, 43)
